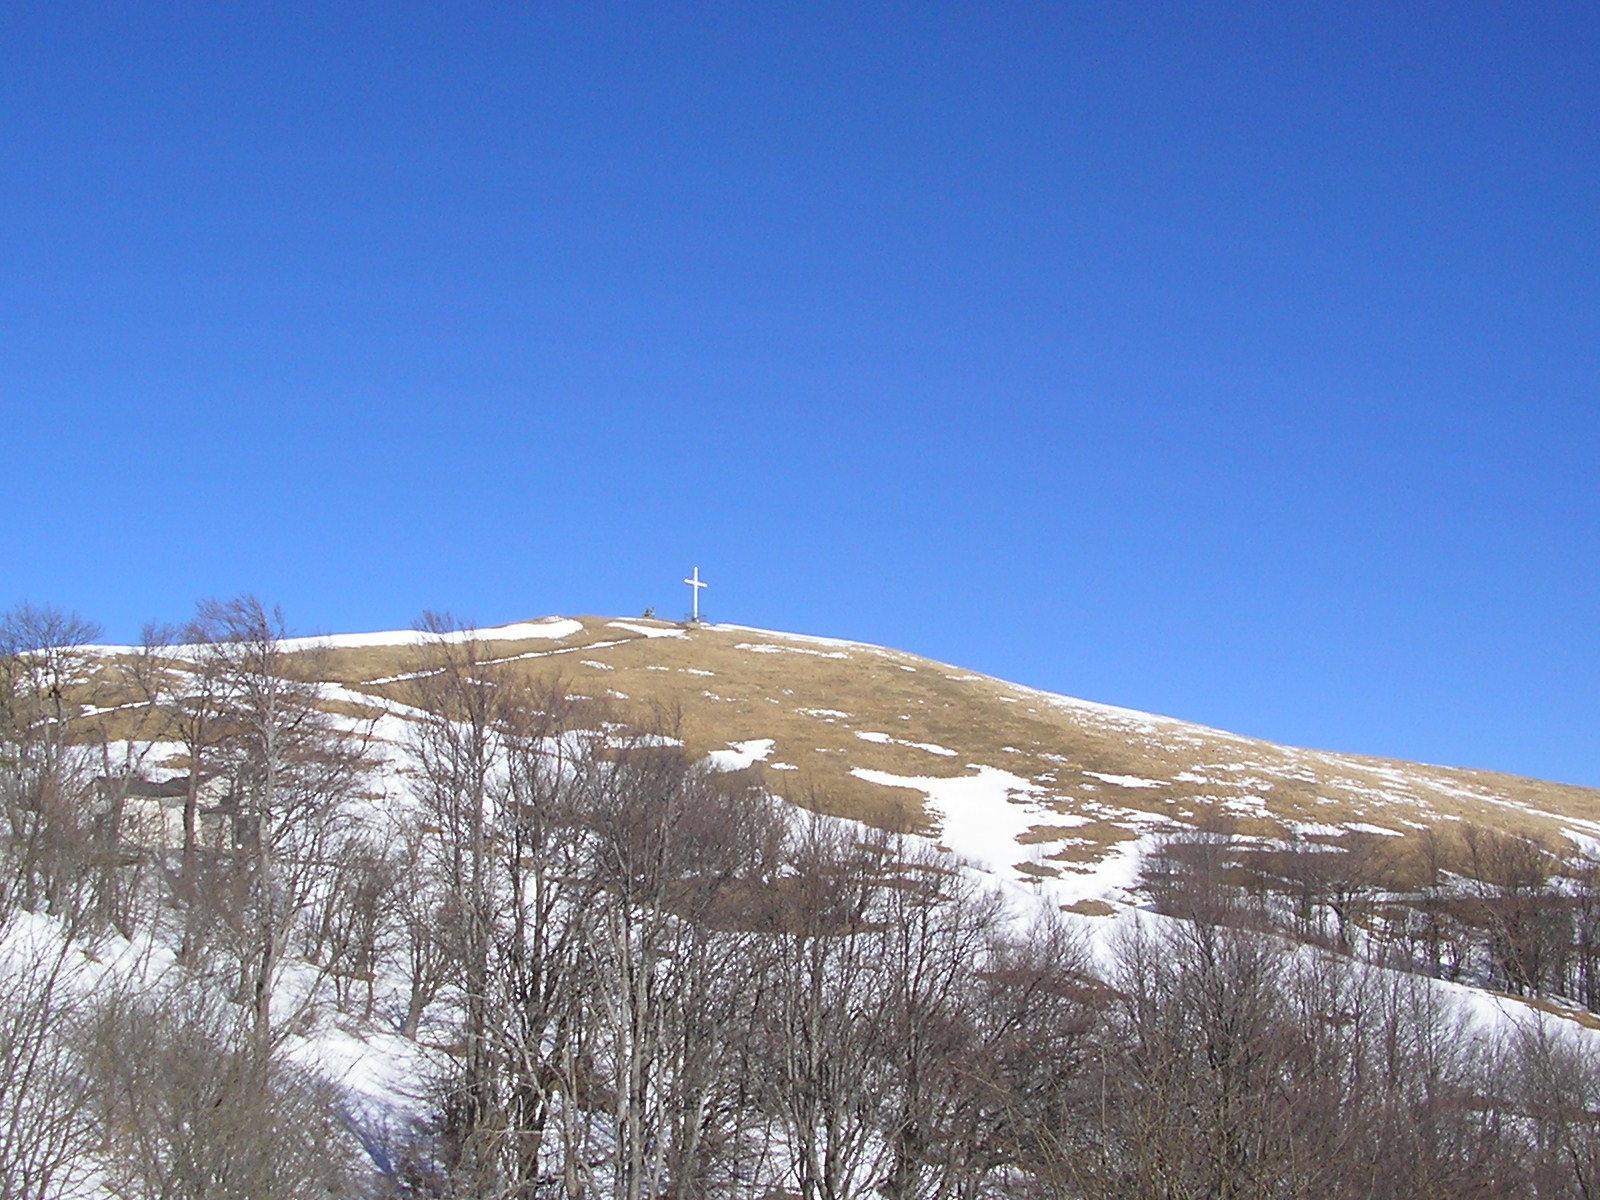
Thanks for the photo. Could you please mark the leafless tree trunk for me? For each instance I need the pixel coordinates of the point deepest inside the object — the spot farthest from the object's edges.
(675, 850)
(1517, 906)
(138, 684)
(422, 916)
(194, 1110)
(1586, 934)
(292, 769)
(46, 775)
(540, 943)
(351, 922)
(459, 747)
(1559, 1085)
(198, 699)
(47, 1129)
(826, 1019)
(938, 931)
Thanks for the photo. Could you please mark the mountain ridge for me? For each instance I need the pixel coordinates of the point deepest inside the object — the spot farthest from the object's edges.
(896, 739)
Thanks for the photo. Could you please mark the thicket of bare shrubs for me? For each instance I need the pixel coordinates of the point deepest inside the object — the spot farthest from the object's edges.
(640, 979)
(1475, 905)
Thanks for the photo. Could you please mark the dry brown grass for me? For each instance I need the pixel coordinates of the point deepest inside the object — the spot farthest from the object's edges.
(716, 686)
(1090, 908)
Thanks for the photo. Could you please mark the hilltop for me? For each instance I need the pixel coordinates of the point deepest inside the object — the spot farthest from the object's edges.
(1059, 793)
(507, 911)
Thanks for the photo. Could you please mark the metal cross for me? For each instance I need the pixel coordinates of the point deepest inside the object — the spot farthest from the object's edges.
(696, 585)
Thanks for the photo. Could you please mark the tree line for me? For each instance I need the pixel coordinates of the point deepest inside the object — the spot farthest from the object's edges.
(637, 978)
(1463, 902)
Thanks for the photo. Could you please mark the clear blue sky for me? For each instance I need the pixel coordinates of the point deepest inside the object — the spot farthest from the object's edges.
(1232, 361)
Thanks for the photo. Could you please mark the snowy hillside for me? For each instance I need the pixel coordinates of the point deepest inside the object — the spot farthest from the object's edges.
(1059, 793)
(532, 910)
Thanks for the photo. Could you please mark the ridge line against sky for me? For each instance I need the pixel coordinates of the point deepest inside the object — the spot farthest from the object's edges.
(1236, 363)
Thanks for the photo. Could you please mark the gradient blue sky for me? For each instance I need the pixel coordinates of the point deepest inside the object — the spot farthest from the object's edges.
(1232, 361)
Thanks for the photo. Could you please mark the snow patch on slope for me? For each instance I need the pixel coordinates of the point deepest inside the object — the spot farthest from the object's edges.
(769, 648)
(884, 739)
(741, 754)
(649, 631)
(1127, 781)
(813, 639)
(980, 816)
(551, 628)
(548, 628)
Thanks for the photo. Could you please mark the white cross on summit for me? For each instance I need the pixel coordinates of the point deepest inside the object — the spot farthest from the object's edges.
(695, 584)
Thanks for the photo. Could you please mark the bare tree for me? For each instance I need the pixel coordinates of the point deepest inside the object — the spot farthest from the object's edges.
(351, 922)
(939, 929)
(423, 914)
(197, 702)
(193, 1110)
(1517, 905)
(1193, 874)
(501, 796)
(1559, 1085)
(46, 775)
(121, 736)
(540, 939)
(459, 748)
(291, 767)
(673, 845)
(1197, 1078)
(1585, 985)
(1020, 1094)
(1337, 879)
(47, 1128)
(1443, 1125)
(826, 1019)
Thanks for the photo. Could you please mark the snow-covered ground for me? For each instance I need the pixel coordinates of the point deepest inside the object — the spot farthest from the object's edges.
(1012, 831)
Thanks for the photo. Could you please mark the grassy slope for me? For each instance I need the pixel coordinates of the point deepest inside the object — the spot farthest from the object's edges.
(721, 685)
